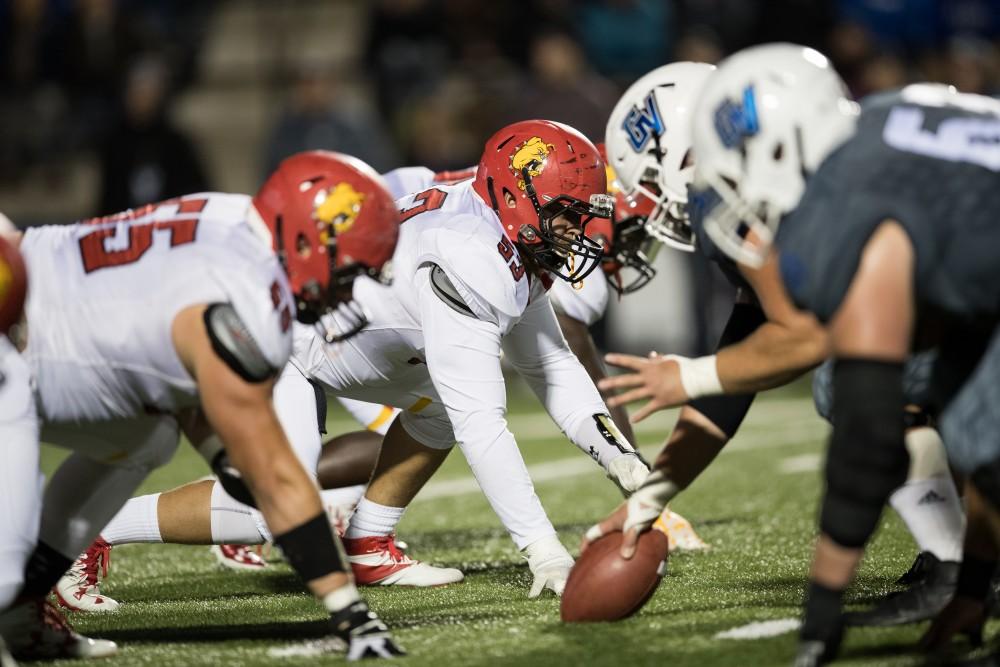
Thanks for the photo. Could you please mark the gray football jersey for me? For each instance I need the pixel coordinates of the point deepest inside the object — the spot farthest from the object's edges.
(931, 166)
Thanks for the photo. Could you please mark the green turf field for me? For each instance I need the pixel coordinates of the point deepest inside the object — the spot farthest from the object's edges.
(755, 506)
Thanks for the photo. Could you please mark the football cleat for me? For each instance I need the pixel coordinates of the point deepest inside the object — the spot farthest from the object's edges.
(80, 588)
(365, 633)
(918, 571)
(35, 629)
(921, 602)
(679, 531)
(378, 561)
(340, 517)
(239, 557)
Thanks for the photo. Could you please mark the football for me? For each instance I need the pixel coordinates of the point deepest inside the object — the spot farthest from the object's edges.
(13, 285)
(605, 587)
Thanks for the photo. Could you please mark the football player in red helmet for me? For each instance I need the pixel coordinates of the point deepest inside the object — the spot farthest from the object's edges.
(13, 284)
(331, 219)
(545, 193)
(206, 287)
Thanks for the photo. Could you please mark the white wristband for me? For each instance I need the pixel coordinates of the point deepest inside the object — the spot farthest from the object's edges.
(699, 376)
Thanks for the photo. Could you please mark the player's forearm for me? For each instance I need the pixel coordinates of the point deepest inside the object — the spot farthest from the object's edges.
(693, 445)
(772, 356)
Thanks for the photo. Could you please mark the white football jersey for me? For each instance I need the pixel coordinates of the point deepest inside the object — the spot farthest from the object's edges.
(584, 301)
(104, 294)
(450, 227)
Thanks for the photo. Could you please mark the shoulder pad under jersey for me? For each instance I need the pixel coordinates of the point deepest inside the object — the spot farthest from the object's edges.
(235, 345)
(481, 264)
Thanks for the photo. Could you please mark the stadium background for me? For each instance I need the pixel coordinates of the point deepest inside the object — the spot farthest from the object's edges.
(107, 104)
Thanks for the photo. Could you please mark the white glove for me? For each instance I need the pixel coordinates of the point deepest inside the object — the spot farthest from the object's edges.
(628, 472)
(550, 563)
(649, 501)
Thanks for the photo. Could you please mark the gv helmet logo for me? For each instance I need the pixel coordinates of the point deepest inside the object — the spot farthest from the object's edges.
(736, 121)
(642, 124)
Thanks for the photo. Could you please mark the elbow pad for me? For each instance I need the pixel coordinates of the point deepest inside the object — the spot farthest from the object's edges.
(867, 460)
(229, 477)
(234, 344)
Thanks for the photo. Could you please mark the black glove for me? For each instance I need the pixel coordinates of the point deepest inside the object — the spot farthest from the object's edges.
(365, 634)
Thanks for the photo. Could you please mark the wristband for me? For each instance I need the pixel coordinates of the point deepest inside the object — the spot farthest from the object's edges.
(699, 377)
(312, 550)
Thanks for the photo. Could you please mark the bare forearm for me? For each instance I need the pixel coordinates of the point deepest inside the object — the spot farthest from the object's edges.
(770, 357)
(693, 445)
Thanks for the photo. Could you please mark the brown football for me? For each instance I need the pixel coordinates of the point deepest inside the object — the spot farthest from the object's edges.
(13, 285)
(602, 586)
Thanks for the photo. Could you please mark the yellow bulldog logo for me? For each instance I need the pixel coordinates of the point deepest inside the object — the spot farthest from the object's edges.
(340, 207)
(534, 150)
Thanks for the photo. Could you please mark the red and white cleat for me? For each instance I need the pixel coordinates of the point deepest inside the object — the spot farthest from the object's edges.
(680, 532)
(241, 557)
(378, 561)
(36, 630)
(80, 589)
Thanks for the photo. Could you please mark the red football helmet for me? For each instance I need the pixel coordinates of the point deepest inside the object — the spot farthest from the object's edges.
(546, 181)
(13, 284)
(629, 250)
(331, 219)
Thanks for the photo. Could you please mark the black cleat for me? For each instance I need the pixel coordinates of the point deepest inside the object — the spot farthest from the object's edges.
(921, 602)
(365, 633)
(922, 566)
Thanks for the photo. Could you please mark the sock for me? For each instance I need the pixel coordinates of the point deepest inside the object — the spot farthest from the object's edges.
(235, 523)
(933, 513)
(43, 570)
(136, 522)
(340, 598)
(343, 497)
(822, 613)
(373, 520)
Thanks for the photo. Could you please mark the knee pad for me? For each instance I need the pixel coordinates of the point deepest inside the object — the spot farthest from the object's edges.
(155, 444)
(867, 460)
(234, 522)
(433, 431)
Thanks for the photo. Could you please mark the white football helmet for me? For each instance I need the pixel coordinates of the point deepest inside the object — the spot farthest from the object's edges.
(766, 120)
(648, 141)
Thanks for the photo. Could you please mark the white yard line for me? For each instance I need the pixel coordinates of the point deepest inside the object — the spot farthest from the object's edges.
(797, 464)
(761, 629)
(783, 432)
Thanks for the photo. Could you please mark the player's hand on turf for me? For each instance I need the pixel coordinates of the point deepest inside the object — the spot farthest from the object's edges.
(365, 633)
(961, 616)
(655, 377)
(550, 564)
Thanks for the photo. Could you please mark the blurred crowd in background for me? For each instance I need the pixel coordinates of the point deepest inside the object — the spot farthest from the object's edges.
(107, 104)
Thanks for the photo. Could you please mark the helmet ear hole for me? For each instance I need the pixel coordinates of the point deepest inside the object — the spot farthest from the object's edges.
(509, 198)
(302, 245)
